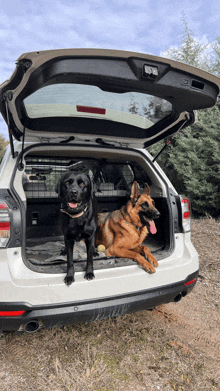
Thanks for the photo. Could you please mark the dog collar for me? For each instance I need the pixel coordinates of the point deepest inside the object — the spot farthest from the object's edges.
(74, 216)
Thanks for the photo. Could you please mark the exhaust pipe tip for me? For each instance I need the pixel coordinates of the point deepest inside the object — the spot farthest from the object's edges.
(177, 298)
(32, 326)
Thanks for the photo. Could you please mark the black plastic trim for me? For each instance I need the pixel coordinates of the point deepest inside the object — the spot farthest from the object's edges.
(103, 308)
(104, 127)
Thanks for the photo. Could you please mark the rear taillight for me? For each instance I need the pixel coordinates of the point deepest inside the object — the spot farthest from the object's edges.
(4, 224)
(11, 313)
(190, 282)
(186, 214)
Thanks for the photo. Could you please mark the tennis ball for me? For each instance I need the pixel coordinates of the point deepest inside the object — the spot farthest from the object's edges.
(101, 248)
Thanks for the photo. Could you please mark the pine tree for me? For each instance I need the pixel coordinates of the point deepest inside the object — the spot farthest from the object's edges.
(193, 161)
(191, 51)
(216, 57)
(3, 144)
(196, 162)
(133, 107)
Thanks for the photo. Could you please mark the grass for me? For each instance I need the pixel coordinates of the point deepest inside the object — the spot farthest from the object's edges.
(136, 350)
(174, 347)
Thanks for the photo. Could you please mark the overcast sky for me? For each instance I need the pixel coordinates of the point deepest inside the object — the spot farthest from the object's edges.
(148, 26)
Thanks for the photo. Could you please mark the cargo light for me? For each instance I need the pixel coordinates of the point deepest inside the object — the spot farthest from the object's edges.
(4, 224)
(190, 282)
(11, 313)
(90, 110)
(186, 214)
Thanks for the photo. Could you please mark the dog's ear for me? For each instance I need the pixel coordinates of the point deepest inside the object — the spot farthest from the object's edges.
(146, 189)
(135, 192)
(58, 187)
(92, 183)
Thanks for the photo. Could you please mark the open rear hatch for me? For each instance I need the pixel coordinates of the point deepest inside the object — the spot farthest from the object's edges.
(103, 96)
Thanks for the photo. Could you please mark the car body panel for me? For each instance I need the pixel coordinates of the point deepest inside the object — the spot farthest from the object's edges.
(80, 312)
(20, 284)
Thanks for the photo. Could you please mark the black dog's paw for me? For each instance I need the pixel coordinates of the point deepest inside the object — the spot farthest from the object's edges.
(69, 280)
(89, 276)
(63, 252)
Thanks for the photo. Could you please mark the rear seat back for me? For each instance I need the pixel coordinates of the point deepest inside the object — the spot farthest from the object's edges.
(107, 189)
(38, 190)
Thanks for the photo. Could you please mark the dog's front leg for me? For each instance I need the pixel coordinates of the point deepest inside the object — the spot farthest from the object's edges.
(146, 252)
(121, 252)
(90, 247)
(69, 279)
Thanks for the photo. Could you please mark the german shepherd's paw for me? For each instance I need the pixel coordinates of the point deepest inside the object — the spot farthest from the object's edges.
(149, 268)
(153, 260)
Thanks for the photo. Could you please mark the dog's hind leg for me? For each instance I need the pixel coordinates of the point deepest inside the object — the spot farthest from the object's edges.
(90, 247)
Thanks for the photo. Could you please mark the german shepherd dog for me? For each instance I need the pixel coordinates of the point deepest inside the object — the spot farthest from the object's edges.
(123, 231)
(78, 218)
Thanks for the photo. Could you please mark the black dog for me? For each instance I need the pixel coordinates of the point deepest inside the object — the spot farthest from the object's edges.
(78, 218)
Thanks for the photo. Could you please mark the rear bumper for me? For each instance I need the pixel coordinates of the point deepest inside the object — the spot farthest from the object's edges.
(80, 312)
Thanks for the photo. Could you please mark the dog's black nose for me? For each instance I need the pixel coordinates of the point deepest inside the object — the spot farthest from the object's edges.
(157, 215)
(74, 193)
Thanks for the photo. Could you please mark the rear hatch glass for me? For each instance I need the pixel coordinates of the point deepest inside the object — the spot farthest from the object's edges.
(66, 100)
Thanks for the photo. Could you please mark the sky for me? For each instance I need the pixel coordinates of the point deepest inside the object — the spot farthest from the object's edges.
(146, 26)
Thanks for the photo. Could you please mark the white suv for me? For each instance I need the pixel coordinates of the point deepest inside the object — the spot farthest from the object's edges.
(94, 111)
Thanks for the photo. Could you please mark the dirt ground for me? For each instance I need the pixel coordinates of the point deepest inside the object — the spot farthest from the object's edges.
(174, 347)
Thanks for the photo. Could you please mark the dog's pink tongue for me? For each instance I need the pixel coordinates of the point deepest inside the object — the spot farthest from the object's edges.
(153, 228)
(72, 205)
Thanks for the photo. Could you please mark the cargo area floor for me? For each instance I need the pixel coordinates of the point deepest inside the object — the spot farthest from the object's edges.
(48, 255)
